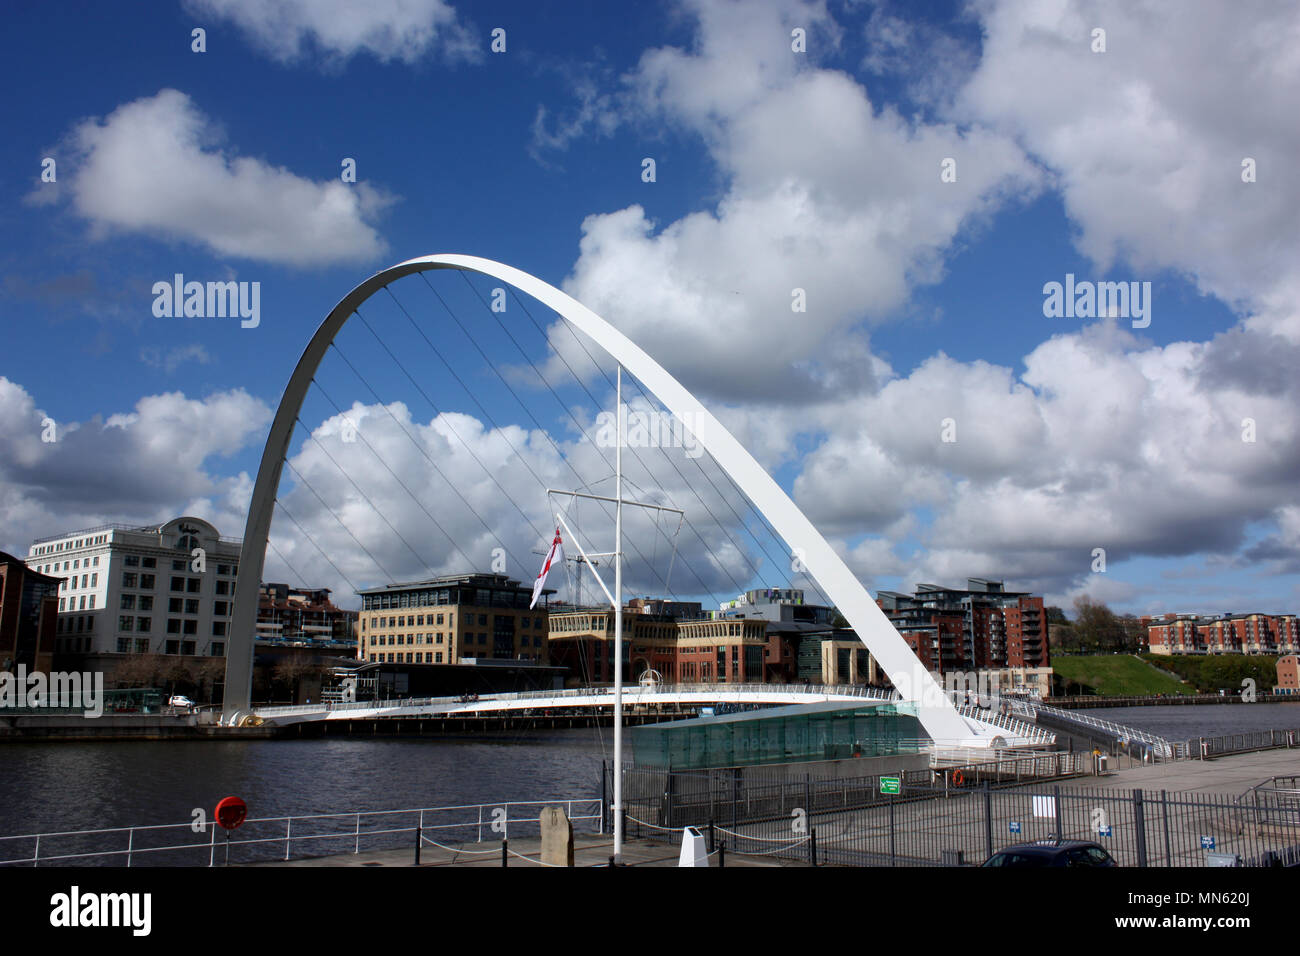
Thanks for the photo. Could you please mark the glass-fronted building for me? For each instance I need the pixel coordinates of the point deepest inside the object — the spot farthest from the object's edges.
(825, 731)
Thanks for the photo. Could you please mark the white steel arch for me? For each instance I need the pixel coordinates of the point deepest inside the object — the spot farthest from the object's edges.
(937, 714)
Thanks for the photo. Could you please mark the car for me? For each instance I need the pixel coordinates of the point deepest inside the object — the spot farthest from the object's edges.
(179, 700)
(1052, 853)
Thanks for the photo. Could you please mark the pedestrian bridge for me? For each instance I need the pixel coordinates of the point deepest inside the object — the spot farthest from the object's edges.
(987, 725)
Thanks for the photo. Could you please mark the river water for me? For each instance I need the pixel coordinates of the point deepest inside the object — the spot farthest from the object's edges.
(59, 785)
(1186, 721)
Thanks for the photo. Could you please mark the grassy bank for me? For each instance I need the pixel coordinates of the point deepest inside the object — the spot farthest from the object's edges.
(1211, 673)
(1114, 675)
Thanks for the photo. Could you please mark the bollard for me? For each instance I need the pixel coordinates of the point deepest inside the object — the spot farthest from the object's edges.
(505, 853)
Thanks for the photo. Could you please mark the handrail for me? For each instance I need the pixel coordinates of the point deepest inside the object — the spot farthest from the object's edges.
(589, 808)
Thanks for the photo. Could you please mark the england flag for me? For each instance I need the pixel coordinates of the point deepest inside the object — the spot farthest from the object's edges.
(555, 554)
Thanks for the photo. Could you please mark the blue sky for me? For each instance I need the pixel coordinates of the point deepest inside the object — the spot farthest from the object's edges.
(775, 169)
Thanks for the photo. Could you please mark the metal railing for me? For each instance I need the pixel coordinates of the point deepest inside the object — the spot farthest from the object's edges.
(265, 839)
(632, 694)
(848, 822)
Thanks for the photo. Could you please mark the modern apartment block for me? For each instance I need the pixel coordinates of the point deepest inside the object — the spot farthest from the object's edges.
(452, 619)
(28, 616)
(980, 627)
(127, 589)
(288, 615)
(1251, 633)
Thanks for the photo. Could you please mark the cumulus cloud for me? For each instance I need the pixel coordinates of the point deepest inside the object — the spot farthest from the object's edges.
(404, 30)
(137, 465)
(1103, 439)
(1147, 140)
(154, 166)
(825, 192)
(174, 357)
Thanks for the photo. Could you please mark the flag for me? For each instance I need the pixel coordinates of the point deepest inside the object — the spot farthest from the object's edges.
(555, 554)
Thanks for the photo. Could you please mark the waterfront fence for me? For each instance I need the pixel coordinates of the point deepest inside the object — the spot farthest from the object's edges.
(933, 823)
(267, 839)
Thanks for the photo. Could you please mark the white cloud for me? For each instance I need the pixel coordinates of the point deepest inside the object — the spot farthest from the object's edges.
(153, 166)
(139, 465)
(405, 30)
(825, 192)
(174, 357)
(1147, 139)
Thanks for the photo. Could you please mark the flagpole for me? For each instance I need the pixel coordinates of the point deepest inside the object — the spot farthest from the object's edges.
(618, 625)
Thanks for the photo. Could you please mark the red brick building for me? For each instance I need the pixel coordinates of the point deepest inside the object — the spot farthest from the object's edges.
(29, 610)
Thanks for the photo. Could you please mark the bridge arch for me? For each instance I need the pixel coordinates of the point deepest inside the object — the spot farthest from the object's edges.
(937, 714)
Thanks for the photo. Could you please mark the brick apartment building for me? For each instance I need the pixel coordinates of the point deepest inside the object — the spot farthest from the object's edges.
(29, 610)
(1250, 633)
(980, 627)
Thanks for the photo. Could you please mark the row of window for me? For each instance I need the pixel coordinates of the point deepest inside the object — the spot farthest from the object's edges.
(435, 657)
(69, 545)
(143, 625)
(74, 565)
(72, 603)
(84, 622)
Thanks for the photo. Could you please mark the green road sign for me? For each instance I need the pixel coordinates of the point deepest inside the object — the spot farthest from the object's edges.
(891, 785)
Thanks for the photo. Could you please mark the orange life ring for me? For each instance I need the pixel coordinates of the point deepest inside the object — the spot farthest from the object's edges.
(957, 778)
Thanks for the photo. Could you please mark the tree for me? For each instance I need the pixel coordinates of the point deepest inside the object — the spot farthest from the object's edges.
(290, 670)
(1056, 616)
(1099, 630)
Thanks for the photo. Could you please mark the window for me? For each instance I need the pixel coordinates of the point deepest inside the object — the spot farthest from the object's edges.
(173, 625)
(223, 587)
(92, 603)
(172, 647)
(95, 563)
(144, 624)
(193, 585)
(124, 645)
(61, 603)
(439, 658)
(146, 602)
(84, 579)
(482, 620)
(83, 602)
(128, 602)
(438, 638)
(94, 580)
(187, 648)
(218, 628)
(126, 623)
(76, 565)
(419, 620)
(132, 561)
(223, 569)
(191, 627)
(191, 606)
(129, 579)
(178, 584)
(178, 566)
(147, 581)
(150, 562)
(175, 605)
(218, 648)
(439, 624)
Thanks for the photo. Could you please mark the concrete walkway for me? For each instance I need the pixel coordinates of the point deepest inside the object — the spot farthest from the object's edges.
(1230, 775)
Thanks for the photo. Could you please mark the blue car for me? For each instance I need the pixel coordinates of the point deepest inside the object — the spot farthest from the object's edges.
(1052, 853)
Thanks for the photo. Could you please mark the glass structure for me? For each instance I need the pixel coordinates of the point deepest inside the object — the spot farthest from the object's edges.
(826, 731)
